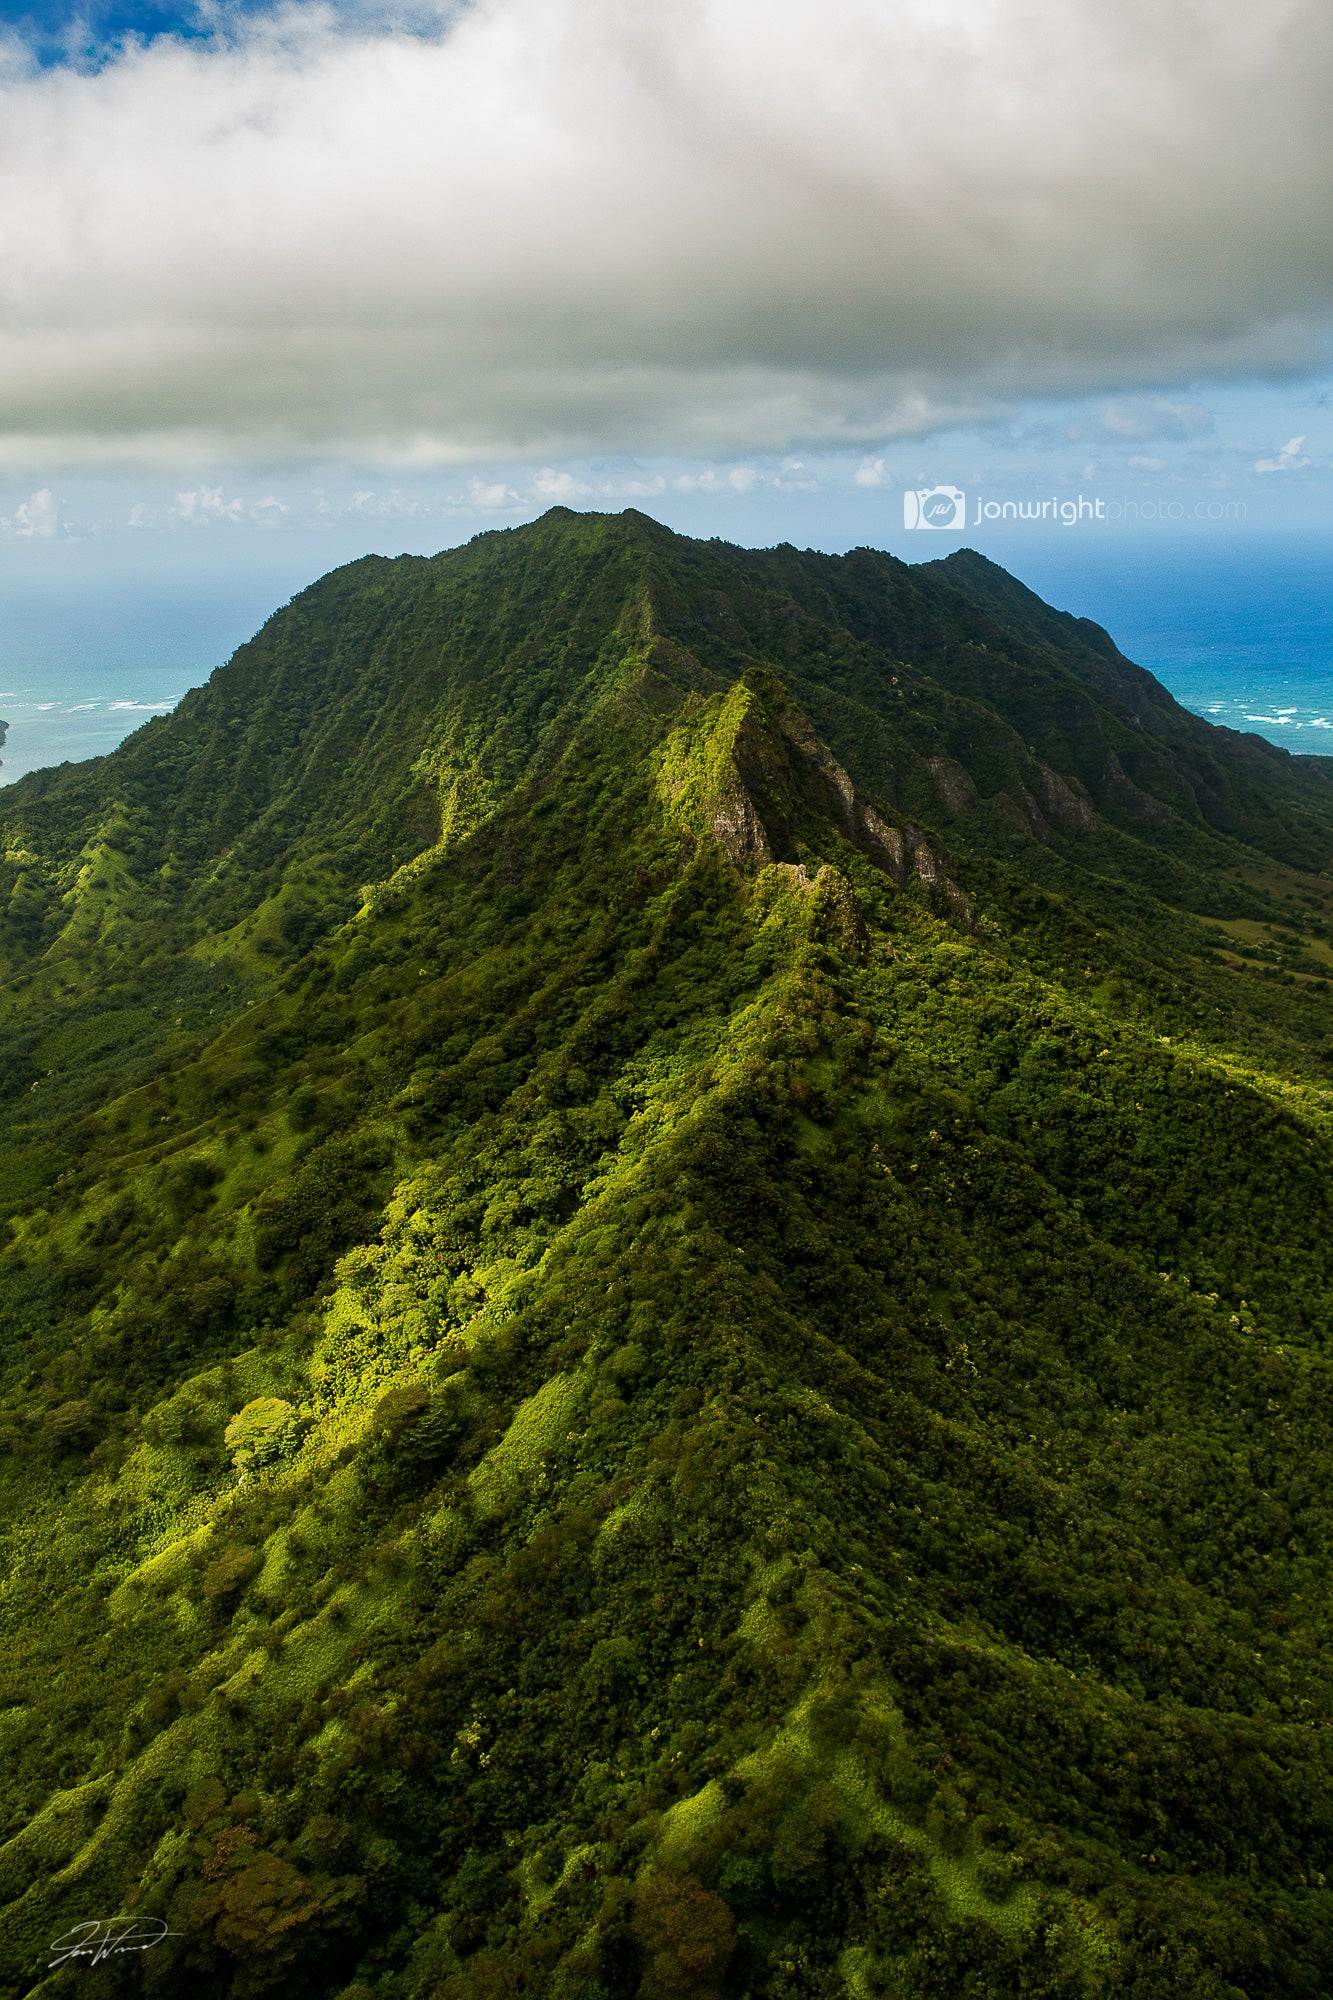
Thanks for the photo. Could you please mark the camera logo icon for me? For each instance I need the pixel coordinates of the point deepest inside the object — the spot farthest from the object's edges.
(935, 507)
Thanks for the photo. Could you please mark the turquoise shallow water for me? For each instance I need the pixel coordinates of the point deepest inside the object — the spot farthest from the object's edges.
(1242, 634)
(1253, 653)
(1288, 700)
(89, 653)
(64, 730)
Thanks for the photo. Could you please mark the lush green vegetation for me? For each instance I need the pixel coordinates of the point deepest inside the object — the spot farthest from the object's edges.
(664, 1293)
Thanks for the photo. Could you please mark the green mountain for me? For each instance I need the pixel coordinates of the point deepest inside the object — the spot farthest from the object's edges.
(664, 1294)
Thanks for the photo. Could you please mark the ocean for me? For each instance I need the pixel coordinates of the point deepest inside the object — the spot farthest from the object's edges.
(1242, 633)
(90, 650)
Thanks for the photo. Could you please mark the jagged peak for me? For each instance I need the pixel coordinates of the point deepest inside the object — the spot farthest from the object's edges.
(748, 770)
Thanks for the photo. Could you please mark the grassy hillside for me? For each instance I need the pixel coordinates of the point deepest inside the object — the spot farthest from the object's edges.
(664, 1303)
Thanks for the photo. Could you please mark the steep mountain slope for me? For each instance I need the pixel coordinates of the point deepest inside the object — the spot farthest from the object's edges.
(665, 1303)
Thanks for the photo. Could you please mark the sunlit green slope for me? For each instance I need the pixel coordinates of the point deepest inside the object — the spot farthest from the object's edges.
(665, 1303)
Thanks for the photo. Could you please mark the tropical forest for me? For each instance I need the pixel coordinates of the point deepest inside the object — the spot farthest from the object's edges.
(666, 1254)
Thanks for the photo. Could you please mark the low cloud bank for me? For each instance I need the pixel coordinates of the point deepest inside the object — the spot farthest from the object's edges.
(559, 226)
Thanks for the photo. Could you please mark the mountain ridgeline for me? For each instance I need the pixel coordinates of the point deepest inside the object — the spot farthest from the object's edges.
(665, 1250)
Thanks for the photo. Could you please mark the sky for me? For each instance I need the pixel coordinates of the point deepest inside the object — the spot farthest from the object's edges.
(280, 284)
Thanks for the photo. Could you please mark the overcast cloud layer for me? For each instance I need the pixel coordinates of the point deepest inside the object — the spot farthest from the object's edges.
(692, 225)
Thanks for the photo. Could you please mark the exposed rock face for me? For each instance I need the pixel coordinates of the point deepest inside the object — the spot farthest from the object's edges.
(1032, 817)
(1132, 800)
(737, 827)
(840, 800)
(954, 784)
(1068, 807)
(1053, 801)
(893, 844)
(908, 851)
(749, 770)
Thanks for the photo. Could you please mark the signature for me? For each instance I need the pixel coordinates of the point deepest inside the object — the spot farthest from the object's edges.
(104, 1937)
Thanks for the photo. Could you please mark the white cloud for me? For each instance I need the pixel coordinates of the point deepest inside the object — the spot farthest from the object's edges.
(1287, 460)
(35, 517)
(559, 487)
(705, 226)
(390, 506)
(492, 494)
(203, 505)
(739, 479)
(870, 472)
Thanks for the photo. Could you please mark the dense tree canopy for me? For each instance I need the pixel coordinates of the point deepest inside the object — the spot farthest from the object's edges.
(664, 1303)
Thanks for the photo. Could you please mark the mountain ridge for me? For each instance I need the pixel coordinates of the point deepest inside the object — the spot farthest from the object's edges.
(703, 1370)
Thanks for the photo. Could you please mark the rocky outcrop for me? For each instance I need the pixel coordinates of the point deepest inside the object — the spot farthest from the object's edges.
(1065, 803)
(748, 770)
(958, 794)
(1054, 802)
(1133, 801)
(736, 826)
(904, 851)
